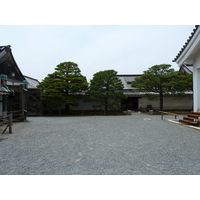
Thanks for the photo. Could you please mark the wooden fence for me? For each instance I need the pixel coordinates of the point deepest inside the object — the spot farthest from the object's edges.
(7, 119)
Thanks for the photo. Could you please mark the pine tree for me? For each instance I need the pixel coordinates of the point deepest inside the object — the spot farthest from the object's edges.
(160, 79)
(59, 86)
(106, 90)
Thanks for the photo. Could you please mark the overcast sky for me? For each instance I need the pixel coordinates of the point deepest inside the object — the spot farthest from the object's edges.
(128, 49)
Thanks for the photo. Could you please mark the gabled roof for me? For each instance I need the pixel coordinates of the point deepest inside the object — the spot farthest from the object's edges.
(127, 80)
(186, 43)
(8, 65)
(186, 69)
(32, 83)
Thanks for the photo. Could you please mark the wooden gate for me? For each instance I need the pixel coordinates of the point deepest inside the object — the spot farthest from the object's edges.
(34, 102)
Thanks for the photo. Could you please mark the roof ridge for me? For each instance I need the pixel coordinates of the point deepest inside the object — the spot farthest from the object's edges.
(5, 46)
(128, 74)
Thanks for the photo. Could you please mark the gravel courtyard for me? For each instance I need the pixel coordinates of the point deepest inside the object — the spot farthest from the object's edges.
(134, 144)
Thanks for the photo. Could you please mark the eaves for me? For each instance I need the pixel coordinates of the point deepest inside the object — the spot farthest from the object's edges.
(190, 48)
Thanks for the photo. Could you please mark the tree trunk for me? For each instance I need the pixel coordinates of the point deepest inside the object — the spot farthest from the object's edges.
(106, 106)
(60, 111)
(161, 101)
(67, 109)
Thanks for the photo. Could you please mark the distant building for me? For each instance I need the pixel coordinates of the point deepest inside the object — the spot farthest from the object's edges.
(139, 101)
(34, 101)
(32, 82)
(132, 101)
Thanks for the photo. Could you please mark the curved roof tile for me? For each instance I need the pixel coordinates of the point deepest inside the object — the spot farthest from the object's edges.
(184, 46)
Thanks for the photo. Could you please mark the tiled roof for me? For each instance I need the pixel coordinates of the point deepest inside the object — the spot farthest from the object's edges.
(32, 83)
(186, 69)
(127, 80)
(3, 51)
(186, 43)
(130, 92)
(9, 64)
(4, 89)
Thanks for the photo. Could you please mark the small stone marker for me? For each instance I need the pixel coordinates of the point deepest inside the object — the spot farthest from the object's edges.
(127, 112)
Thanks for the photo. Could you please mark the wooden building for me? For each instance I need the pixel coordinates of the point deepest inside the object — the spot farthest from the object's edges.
(16, 82)
(4, 92)
(18, 97)
(34, 101)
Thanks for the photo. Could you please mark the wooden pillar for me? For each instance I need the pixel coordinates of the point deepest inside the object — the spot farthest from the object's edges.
(22, 101)
(10, 122)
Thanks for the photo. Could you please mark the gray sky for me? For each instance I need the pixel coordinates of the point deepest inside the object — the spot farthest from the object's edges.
(128, 49)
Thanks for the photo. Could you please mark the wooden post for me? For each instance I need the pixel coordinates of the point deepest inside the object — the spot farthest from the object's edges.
(10, 122)
(161, 115)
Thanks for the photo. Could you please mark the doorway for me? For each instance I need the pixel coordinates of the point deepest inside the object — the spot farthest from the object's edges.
(131, 103)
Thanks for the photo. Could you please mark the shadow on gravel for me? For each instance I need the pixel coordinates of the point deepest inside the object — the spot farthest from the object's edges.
(2, 139)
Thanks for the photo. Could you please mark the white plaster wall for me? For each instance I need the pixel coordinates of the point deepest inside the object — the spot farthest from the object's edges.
(179, 102)
(170, 103)
(196, 82)
(83, 105)
(143, 102)
(196, 63)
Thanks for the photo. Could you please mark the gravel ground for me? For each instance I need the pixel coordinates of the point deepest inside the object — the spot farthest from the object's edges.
(133, 144)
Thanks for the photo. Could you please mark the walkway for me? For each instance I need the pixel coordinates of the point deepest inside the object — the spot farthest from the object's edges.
(132, 144)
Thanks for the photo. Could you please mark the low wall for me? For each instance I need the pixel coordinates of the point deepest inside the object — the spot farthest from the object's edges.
(172, 102)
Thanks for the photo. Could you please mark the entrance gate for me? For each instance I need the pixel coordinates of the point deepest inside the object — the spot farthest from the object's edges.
(131, 103)
(34, 102)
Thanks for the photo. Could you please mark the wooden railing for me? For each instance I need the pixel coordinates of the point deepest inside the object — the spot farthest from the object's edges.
(167, 113)
(6, 121)
(18, 115)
